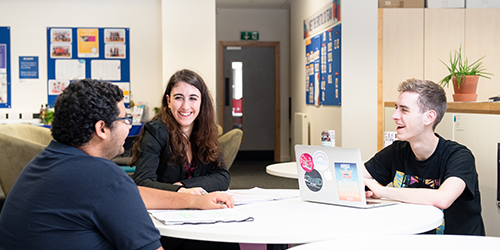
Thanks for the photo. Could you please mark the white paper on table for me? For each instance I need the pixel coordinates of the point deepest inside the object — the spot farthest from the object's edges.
(187, 216)
(254, 195)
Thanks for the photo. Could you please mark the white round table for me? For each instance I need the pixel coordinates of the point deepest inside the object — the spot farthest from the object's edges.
(294, 221)
(410, 242)
(283, 169)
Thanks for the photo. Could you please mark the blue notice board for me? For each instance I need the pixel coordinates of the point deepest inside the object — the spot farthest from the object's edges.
(79, 53)
(5, 78)
(323, 68)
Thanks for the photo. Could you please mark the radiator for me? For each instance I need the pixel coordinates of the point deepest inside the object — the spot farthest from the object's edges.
(301, 129)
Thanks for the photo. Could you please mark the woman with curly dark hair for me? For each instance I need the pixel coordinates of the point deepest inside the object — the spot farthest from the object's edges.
(178, 149)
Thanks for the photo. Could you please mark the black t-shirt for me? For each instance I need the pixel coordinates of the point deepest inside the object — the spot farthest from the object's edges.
(397, 163)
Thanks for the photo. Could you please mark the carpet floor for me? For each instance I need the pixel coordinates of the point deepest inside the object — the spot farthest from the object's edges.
(249, 174)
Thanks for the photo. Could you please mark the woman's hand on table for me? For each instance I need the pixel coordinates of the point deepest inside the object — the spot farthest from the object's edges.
(195, 191)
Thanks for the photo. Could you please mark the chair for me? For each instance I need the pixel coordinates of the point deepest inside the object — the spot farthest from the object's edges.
(125, 159)
(19, 144)
(229, 144)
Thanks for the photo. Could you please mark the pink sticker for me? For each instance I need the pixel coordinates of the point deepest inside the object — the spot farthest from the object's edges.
(306, 162)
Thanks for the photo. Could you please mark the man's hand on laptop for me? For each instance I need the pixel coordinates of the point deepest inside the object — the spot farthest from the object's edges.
(373, 189)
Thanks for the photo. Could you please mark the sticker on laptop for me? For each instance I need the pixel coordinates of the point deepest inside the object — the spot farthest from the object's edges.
(306, 162)
(347, 181)
(320, 160)
(313, 180)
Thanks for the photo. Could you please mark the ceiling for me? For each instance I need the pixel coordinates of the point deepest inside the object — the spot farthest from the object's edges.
(253, 4)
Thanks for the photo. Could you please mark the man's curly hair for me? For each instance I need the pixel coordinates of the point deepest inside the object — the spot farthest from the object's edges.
(80, 106)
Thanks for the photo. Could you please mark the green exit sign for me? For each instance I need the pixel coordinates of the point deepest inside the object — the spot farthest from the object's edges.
(249, 35)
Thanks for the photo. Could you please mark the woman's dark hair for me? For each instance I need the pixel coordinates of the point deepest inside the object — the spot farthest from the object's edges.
(80, 106)
(204, 135)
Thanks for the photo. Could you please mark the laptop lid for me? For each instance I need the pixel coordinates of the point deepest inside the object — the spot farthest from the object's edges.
(331, 175)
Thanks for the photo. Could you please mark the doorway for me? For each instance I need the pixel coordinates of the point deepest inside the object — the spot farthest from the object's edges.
(248, 96)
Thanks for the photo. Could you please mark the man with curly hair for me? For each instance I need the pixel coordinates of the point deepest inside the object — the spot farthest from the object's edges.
(72, 196)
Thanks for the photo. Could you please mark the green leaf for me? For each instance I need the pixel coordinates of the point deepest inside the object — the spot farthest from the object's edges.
(459, 68)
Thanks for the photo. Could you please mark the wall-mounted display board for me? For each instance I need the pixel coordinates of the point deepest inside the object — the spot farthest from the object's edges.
(323, 75)
(312, 69)
(79, 53)
(5, 82)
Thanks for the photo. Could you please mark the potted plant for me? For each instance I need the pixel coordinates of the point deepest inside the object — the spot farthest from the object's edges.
(47, 116)
(156, 110)
(464, 76)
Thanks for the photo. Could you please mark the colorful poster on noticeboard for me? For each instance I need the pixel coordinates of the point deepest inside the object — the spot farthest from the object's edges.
(88, 43)
(3, 73)
(312, 70)
(3, 57)
(330, 67)
(114, 35)
(346, 175)
(61, 36)
(5, 66)
(56, 87)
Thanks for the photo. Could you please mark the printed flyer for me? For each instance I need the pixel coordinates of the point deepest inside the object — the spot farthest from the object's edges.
(347, 181)
(88, 43)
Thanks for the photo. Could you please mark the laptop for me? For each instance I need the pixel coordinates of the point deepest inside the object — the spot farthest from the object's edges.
(333, 175)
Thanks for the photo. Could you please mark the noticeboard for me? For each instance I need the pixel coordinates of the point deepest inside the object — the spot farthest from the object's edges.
(79, 53)
(5, 77)
(323, 68)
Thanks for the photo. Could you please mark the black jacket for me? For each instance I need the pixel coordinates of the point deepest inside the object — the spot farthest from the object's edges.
(152, 169)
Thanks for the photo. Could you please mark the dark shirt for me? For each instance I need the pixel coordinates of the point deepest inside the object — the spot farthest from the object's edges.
(397, 163)
(66, 199)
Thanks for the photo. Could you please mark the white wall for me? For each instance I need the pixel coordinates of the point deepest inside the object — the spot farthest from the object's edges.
(355, 122)
(272, 25)
(29, 19)
(188, 39)
(359, 75)
(168, 35)
(324, 117)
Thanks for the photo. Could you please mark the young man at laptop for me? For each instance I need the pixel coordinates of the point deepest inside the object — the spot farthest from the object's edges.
(424, 167)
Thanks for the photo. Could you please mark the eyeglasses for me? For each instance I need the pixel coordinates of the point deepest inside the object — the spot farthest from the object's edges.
(127, 119)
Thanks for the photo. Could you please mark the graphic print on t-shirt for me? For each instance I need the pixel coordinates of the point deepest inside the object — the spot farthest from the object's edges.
(401, 180)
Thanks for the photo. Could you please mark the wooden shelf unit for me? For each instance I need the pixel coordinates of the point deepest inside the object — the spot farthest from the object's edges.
(492, 108)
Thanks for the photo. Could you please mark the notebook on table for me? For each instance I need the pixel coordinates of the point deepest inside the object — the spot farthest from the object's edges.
(333, 175)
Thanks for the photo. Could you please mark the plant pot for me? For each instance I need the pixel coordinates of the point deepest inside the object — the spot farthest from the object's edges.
(467, 91)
